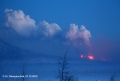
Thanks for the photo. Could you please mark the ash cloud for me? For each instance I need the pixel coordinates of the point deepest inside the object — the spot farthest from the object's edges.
(105, 48)
(78, 35)
(19, 22)
(23, 25)
(48, 30)
(17, 25)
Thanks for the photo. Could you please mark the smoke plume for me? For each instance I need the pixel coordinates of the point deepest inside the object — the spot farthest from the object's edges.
(20, 22)
(47, 29)
(26, 26)
(78, 37)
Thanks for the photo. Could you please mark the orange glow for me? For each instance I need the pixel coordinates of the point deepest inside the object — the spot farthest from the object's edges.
(87, 57)
(90, 57)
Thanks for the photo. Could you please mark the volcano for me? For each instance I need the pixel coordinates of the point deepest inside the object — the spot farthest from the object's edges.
(10, 53)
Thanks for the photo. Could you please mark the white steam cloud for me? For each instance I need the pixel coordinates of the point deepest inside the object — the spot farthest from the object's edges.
(49, 30)
(18, 21)
(77, 36)
(26, 26)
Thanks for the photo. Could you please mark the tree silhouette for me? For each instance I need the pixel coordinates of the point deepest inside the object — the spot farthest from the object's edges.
(112, 78)
(63, 73)
(23, 72)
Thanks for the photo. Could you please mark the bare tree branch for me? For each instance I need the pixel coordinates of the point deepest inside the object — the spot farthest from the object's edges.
(63, 73)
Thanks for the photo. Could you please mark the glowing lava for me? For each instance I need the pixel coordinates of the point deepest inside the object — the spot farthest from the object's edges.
(90, 57)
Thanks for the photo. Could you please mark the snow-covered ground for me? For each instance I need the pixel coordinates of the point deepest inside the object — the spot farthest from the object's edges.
(48, 71)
